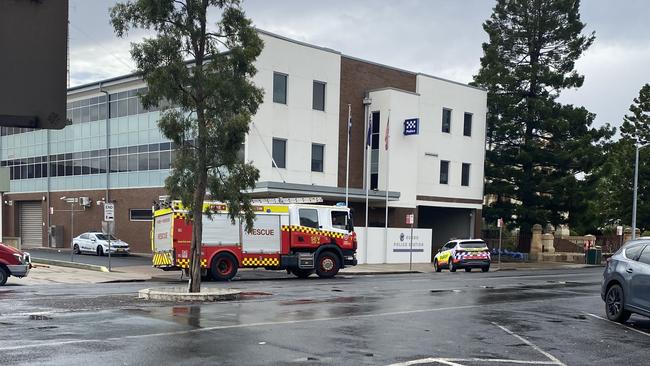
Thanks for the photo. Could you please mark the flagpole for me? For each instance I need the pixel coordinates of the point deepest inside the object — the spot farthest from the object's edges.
(347, 158)
(367, 178)
(387, 182)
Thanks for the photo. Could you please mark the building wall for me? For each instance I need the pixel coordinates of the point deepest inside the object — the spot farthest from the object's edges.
(136, 233)
(358, 77)
(296, 121)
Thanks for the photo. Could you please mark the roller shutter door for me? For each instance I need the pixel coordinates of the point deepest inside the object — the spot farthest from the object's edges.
(31, 224)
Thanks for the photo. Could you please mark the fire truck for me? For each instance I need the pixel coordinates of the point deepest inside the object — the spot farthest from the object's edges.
(295, 235)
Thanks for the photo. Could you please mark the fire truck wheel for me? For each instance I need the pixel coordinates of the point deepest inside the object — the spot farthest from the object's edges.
(327, 265)
(224, 267)
(302, 273)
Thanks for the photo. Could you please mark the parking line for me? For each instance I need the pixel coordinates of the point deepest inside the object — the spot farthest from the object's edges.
(454, 361)
(536, 348)
(619, 324)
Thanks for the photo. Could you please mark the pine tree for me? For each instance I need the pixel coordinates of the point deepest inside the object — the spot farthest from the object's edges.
(616, 184)
(538, 150)
(212, 95)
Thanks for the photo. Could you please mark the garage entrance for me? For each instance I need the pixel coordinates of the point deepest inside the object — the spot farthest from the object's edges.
(31, 224)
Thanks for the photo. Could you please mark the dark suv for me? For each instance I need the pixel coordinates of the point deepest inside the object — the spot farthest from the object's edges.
(626, 281)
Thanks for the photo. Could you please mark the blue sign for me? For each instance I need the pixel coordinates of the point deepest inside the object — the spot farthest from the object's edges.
(411, 126)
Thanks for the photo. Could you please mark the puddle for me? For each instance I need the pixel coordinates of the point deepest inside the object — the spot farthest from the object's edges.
(39, 317)
(336, 300)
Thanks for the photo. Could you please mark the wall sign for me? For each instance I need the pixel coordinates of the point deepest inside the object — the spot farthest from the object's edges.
(411, 126)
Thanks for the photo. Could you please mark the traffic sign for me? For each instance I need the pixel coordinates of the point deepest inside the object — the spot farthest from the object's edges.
(409, 219)
(500, 222)
(109, 212)
(619, 230)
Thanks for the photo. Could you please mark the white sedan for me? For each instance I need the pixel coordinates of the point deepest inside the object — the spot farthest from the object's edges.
(97, 243)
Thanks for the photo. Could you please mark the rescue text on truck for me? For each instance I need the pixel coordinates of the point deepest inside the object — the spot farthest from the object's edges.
(299, 238)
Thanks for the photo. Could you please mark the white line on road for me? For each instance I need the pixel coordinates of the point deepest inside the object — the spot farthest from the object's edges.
(454, 361)
(234, 326)
(548, 355)
(619, 324)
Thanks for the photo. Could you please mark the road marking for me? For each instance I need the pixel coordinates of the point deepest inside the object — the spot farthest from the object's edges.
(235, 326)
(455, 361)
(619, 324)
(536, 348)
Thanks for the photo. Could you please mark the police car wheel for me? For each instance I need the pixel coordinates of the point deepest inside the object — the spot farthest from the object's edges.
(485, 269)
(100, 251)
(327, 265)
(3, 276)
(436, 266)
(223, 267)
(468, 270)
(452, 268)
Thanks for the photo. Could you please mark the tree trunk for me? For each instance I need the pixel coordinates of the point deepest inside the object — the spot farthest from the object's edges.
(197, 212)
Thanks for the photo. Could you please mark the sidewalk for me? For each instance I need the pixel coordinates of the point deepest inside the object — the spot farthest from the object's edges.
(49, 274)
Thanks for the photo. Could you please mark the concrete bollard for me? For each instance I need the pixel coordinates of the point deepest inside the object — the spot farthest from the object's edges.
(536, 243)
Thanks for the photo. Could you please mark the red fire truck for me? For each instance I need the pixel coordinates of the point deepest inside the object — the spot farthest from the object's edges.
(297, 237)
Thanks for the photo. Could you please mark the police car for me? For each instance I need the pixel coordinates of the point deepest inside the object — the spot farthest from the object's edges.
(463, 253)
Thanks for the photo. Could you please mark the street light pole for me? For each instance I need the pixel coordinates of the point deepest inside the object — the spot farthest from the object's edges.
(636, 187)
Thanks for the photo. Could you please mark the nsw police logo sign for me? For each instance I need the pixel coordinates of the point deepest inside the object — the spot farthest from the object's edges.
(411, 126)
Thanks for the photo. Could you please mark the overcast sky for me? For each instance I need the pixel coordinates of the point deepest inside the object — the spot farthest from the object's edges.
(437, 37)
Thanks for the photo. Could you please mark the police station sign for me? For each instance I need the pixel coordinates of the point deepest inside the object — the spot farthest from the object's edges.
(399, 245)
(411, 126)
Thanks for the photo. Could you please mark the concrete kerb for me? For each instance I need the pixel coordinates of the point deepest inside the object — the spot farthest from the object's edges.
(53, 262)
(181, 294)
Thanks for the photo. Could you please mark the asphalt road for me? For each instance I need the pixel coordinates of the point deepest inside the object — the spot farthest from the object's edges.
(506, 318)
(116, 260)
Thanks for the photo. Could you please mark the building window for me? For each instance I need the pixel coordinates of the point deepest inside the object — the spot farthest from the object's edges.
(374, 151)
(279, 88)
(467, 125)
(280, 152)
(319, 96)
(308, 217)
(317, 156)
(446, 120)
(137, 214)
(464, 179)
(444, 172)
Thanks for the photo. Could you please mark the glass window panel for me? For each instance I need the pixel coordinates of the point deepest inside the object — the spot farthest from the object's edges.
(279, 88)
(464, 180)
(93, 100)
(94, 112)
(317, 157)
(154, 147)
(85, 154)
(122, 108)
(308, 217)
(30, 171)
(102, 165)
(143, 161)
(446, 120)
(444, 172)
(102, 152)
(113, 163)
(123, 95)
(114, 151)
(165, 146)
(132, 93)
(68, 156)
(467, 125)
(143, 148)
(133, 149)
(133, 162)
(69, 168)
(76, 104)
(122, 151)
(140, 214)
(101, 112)
(165, 160)
(318, 96)
(76, 115)
(112, 97)
(53, 170)
(101, 98)
(133, 106)
(123, 163)
(84, 102)
(154, 160)
(85, 114)
(279, 153)
(60, 169)
(23, 172)
(38, 169)
(113, 110)
(94, 153)
(78, 167)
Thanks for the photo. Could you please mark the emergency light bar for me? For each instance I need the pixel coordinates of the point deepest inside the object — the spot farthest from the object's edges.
(287, 200)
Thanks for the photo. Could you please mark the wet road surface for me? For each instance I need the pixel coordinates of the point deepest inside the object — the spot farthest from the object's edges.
(506, 318)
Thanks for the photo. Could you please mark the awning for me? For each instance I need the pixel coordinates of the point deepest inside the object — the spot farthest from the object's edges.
(280, 189)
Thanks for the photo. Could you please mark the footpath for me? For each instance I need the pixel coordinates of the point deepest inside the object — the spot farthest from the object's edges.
(70, 273)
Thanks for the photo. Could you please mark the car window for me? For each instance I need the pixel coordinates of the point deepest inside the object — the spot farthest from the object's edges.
(633, 252)
(645, 256)
(473, 245)
(450, 245)
(104, 237)
(84, 236)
